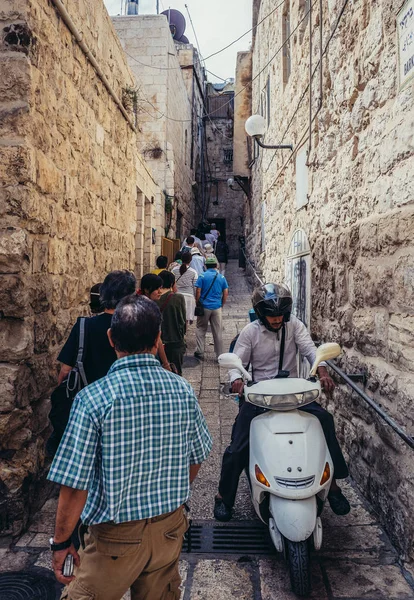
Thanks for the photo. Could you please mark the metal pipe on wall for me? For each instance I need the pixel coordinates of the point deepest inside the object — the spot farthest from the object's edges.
(79, 38)
(320, 53)
(310, 77)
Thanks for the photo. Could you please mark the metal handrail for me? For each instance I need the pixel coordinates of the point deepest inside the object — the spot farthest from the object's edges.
(251, 265)
(398, 430)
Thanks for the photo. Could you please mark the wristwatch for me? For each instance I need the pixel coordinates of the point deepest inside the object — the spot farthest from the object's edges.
(62, 546)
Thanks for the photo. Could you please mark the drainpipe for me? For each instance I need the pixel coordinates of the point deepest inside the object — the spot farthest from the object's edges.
(310, 78)
(79, 38)
(320, 53)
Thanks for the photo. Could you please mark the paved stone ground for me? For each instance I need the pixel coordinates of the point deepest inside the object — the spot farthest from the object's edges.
(357, 561)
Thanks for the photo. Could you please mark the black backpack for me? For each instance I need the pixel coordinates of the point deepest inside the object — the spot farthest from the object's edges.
(62, 397)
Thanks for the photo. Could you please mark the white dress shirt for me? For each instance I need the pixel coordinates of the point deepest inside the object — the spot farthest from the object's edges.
(198, 263)
(261, 348)
(210, 239)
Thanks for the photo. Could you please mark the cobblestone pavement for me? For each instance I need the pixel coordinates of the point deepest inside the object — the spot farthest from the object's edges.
(357, 561)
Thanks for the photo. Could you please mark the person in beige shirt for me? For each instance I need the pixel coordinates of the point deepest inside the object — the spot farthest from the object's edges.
(270, 345)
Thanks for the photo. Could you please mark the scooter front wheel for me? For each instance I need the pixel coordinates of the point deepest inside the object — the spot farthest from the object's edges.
(298, 557)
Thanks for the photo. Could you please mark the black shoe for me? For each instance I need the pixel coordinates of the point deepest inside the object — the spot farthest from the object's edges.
(198, 355)
(339, 503)
(222, 512)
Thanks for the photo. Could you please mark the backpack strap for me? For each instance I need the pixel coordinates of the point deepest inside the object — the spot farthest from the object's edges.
(282, 347)
(81, 351)
(209, 289)
(164, 306)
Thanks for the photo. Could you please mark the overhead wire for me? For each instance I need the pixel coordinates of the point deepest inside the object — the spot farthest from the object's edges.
(218, 77)
(195, 34)
(249, 84)
(305, 136)
(279, 50)
(244, 34)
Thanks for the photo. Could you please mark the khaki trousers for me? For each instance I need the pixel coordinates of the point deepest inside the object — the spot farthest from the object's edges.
(141, 555)
(215, 319)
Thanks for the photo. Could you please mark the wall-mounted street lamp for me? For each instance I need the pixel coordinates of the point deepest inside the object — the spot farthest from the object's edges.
(256, 127)
(242, 182)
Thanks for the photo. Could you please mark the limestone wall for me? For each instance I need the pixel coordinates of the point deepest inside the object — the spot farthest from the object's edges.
(164, 107)
(242, 111)
(195, 80)
(358, 216)
(224, 204)
(70, 178)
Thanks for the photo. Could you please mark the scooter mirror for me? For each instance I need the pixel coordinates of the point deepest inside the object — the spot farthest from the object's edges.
(229, 360)
(325, 352)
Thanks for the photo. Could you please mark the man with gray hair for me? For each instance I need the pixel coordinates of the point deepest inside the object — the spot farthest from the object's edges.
(134, 443)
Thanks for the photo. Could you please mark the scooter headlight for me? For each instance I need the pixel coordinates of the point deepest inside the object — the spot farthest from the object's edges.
(257, 399)
(309, 396)
(283, 401)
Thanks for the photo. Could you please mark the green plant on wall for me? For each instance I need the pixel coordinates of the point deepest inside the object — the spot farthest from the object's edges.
(130, 100)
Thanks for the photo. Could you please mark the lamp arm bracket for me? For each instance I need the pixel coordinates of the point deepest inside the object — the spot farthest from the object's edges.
(271, 147)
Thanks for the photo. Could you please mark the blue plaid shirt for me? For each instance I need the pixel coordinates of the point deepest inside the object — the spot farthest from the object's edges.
(130, 440)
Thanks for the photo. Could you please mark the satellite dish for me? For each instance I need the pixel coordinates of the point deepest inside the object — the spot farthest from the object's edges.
(176, 21)
(183, 40)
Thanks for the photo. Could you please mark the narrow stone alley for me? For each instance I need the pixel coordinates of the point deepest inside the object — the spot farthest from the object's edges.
(357, 560)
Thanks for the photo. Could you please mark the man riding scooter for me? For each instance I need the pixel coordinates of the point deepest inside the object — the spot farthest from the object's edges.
(270, 346)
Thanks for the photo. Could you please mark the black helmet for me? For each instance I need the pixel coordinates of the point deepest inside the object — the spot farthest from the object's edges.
(272, 300)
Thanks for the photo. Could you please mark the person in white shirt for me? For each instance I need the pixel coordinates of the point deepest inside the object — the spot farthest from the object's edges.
(185, 280)
(214, 231)
(198, 262)
(270, 346)
(210, 238)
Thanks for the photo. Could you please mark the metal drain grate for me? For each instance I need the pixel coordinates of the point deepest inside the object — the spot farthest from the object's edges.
(26, 586)
(244, 537)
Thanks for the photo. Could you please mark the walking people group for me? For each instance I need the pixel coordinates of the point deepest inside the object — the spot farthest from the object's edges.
(136, 435)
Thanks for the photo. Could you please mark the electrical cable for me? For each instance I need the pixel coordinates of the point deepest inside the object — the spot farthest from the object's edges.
(221, 78)
(242, 36)
(195, 34)
(271, 60)
(302, 139)
(245, 86)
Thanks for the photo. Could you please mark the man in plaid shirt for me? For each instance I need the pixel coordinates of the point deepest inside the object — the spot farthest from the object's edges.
(134, 443)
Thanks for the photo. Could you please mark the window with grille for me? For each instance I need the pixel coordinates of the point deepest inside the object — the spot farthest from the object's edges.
(227, 155)
(287, 63)
(221, 107)
(304, 8)
(265, 101)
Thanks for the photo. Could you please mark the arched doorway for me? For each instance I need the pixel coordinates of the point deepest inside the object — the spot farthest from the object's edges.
(298, 278)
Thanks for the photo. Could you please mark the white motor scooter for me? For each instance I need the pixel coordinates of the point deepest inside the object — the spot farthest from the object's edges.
(290, 468)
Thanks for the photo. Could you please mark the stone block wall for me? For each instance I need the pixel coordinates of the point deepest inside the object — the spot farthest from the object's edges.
(164, 142)
(358, 217)
(242, 111)
(223, 203)
(69, 174)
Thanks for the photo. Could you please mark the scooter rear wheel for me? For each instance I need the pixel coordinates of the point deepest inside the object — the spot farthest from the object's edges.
(299, 567)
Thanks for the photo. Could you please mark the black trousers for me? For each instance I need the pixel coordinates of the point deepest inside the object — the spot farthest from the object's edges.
(236, 456)
(175, 352)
